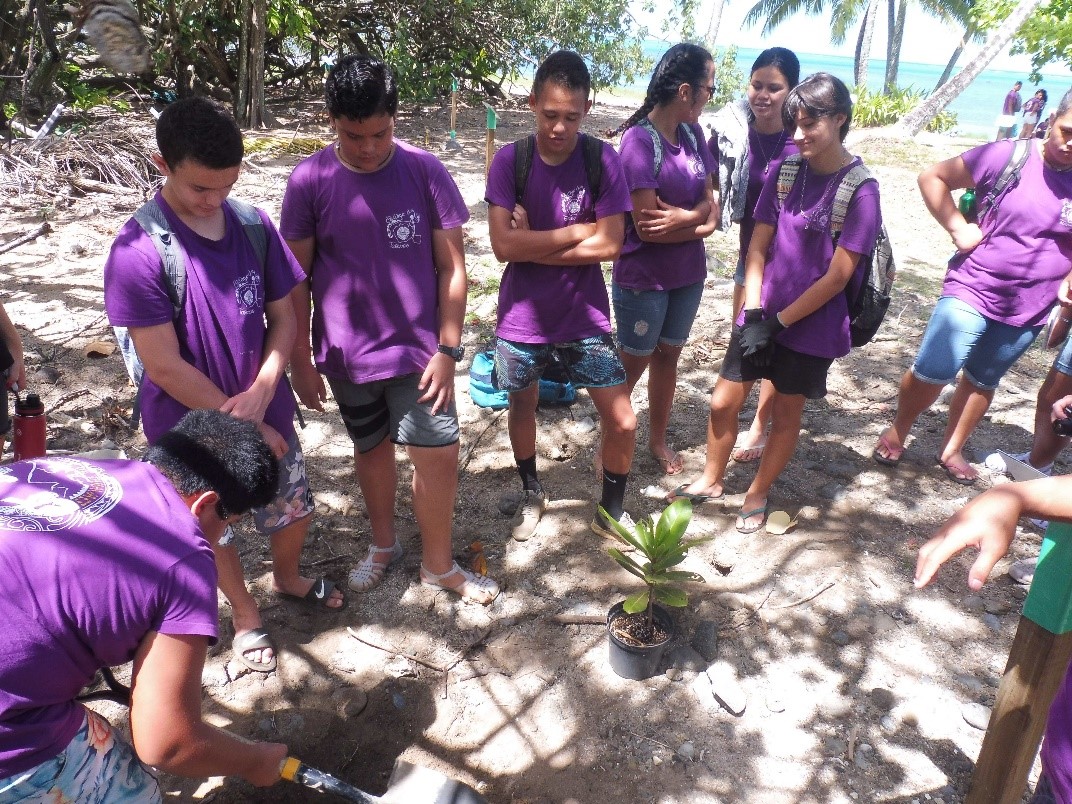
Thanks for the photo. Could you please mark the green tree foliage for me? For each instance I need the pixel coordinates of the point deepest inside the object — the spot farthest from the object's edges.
(1046, 36)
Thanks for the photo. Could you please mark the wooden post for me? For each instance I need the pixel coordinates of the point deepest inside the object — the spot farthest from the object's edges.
(489, 145)
(1036, 669)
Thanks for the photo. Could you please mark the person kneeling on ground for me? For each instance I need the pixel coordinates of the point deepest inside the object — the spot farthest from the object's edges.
(107, 562)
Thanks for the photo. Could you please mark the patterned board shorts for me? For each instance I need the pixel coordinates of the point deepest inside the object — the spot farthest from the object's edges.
(97, 767)
(293, 499)
(587, 363)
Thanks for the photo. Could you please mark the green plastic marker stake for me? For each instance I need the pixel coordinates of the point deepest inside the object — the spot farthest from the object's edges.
(454, 108)
(489, 143)
(1037, 664)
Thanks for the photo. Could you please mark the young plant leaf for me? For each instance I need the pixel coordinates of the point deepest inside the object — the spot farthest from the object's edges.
(636, 603)
(671, 596)
(626, 563)
(620, 531)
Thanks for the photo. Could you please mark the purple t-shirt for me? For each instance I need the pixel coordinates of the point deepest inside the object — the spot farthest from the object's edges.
(800, 255)
(681, 182)
(374, 281)
(556, 303)
(93, 556)
(765, 155)
(1012, 102)
(1012, 276)
(1057, 745)
(221, 329)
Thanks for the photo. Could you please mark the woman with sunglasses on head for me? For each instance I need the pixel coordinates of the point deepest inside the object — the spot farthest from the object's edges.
(751, 140)
(795, 319)
(659, 277)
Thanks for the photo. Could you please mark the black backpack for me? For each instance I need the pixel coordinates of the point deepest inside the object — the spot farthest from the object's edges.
(872, 301)
(525, 150)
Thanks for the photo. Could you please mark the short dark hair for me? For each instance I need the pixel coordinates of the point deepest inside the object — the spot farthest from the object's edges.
(212, 451)
(1064, 104)
(199, 129)
(783, 60)
(565, 68)
(1018, 84)
(359, 87)
(818, 95)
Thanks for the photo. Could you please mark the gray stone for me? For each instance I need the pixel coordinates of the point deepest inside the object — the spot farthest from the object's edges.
(673, 673)
(991, 622)
(687, 751)
(683, 657)
(888, 724)
(835, 746)
(974, 603)
(976, 715)
(508, 503)
(705, 640)
(996, 607)
(971, 682)
(861, 760)
(47, 374)
(840, 638)
(883, 623)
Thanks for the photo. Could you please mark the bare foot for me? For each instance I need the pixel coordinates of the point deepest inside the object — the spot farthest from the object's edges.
(669, 460)
(753, 515)
(957, 469)
(749, 447)
(888, 450)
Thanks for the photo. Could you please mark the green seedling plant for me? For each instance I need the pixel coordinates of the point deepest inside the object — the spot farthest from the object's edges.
(662, 546)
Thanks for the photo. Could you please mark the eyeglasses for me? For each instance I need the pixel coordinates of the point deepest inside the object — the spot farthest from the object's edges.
(710, 89)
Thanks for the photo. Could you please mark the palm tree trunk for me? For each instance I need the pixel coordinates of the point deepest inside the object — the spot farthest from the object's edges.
(893, 47)
(914, 121)
(948, 71)
(863, 43)
(714, 21)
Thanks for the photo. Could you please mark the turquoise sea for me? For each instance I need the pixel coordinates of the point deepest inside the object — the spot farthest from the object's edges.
(976, 107)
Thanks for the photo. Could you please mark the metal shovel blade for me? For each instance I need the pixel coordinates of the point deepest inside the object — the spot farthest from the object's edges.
(415, 784)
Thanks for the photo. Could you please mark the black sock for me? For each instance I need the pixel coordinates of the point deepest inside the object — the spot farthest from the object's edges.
(527, 469)
(613, 499)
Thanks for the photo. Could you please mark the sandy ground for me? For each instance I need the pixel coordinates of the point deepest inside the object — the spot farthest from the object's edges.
(854, 683)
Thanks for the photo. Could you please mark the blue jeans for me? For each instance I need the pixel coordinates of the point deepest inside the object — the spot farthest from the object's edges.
(646, 318)
(959, 337)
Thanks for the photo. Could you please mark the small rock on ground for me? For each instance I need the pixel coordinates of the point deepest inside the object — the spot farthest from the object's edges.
(976, 715)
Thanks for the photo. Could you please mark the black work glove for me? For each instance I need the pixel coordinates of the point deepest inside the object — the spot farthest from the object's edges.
(757, 337)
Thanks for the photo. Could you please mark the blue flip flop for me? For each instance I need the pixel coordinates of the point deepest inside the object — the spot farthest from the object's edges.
(744, 516)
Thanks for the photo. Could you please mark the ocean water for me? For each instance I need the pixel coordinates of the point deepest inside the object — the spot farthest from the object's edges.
(976, 107)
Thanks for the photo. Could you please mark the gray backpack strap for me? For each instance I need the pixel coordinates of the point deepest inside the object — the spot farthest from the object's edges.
(848, 186)
(685, 130)
(787, 174)
(173, 264)
(656, 141)
(253, 226)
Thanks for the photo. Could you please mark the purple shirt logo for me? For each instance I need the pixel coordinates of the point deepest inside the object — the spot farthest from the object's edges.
(402, 229)
(1066, 213)
(249, 291)
(58, 493)
(697, 167)
(572, 203)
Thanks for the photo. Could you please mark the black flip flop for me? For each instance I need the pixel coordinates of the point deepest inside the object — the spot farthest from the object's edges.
(318, 595)
(695, 499)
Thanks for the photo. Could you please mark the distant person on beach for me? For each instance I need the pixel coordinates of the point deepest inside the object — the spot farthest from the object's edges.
(553, 308)
(226, 346)
(751, 140)
(1032, 113)
(377, 225)
(1009, 270)
(988, 523)
(795, 319)
(1009, 108)
(659, 277)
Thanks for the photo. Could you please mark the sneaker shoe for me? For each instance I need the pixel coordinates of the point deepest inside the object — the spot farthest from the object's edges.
(1023, 572)
(528, 515)
(601, 527)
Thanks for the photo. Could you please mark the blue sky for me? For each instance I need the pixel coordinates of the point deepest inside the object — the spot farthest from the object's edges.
(926, 40)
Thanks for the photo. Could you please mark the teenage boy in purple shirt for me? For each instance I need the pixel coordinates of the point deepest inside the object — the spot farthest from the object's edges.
(226, 348)
(553, 300)
(377, 226)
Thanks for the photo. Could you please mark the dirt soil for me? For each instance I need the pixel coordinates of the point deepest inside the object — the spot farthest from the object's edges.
(853, 684)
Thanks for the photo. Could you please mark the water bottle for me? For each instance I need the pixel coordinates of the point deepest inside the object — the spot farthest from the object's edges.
(968, 207)
(29, 425)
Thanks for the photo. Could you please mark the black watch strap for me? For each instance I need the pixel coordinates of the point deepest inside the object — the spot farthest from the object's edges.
(454, 352)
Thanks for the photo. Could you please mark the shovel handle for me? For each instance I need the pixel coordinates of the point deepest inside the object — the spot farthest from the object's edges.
(294, 770)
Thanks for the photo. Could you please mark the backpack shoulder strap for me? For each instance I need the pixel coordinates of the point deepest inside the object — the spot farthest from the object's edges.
(253, 227)
(850, 182)
(1010, 174)
(173, 263)
(787, 174)
(685, 130)
(656, 142)
(524, 149)
(593, 163)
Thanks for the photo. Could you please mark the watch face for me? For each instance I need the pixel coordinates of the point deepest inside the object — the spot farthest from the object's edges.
(456, 352)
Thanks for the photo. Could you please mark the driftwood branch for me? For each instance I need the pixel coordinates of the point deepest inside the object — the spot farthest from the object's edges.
(565, 618)
(41, 229)
(93, 186)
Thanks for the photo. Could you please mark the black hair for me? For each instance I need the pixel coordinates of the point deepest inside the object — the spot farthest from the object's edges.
(818, 95)
(684, 63)
(199, 129)
(565, 68)
(211, 451)
(1065, 104)
(1045, 95)
(359, 87)
(783, 60)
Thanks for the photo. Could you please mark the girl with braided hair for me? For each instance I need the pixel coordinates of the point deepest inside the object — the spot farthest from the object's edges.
(659, 276)
(750, 140)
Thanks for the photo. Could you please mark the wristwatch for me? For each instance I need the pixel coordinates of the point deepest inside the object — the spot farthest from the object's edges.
(454, 352)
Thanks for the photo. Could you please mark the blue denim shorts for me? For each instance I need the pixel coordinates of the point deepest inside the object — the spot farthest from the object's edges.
(1063, 361)
(97, 767)
(646, 318)
(587, 363)
(373, 411)
(959, 337)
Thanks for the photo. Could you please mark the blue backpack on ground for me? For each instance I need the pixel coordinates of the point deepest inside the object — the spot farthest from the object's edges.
(484, 394)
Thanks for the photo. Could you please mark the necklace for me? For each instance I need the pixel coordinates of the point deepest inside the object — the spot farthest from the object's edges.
(819, 218)
(777, 149)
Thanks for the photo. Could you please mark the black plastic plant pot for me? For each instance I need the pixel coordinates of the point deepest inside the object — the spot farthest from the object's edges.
(632, 661)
